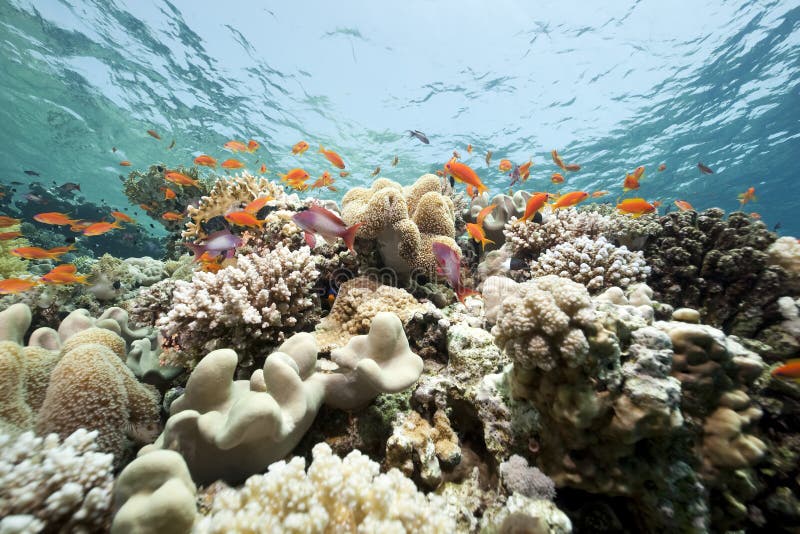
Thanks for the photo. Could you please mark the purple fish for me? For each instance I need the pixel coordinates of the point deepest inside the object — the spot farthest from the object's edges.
(448, 265)
(514, 174)
(318, 220)
(216, 244)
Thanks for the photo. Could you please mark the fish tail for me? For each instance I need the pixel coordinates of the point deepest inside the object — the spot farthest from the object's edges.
(462, 293)
(349, 236)
(321, 149)
(484, 241)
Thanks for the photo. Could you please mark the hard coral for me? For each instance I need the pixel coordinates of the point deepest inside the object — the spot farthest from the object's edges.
(250, 307)
(529, 239)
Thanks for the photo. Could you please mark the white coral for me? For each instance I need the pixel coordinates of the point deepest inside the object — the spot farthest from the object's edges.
(594, 262)
(336, 495)
(559, 227)
(56, 485)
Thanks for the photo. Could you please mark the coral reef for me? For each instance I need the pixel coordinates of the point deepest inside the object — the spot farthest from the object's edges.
(494, 223)
(522, 514)
(250, 307)
(518, 477)
(595, 263)
(529, 239)
(54, 486)
(785, 252)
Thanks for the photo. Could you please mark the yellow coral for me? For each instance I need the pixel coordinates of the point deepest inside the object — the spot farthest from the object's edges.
(11, 266)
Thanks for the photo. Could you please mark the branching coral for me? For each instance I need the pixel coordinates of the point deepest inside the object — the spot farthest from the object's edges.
(596, 263)
(335, 495)
(250, 307)
(530, 239)
(54, 486)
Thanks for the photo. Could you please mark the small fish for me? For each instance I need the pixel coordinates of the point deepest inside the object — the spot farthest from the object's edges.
(636, 207)
(376, 172)
(570, 199)
(100, 228)
(470, 191)
(38, 253)
(220, 242)
(704, 169)
(113, 149)
(294, 175)
(54, 218)
(146, 207)
(243, 218)
(5, 236)
(252, 145)
(395, 161)
(662, 167)
(598, 194)
(299, 148)
(630, 183)
(263, 168)
(31, 173)
(776, 227)
(488, 157)
(484, 213)
(119, 216)
(419, 135)
(169, 194)
(505, 165)
(11, 286)
(64, 274)
(534, 204)
(232, 164)
(36, 199)
(515, 175)
(557, 178)
(255, 206)
(332, 156)
(464, 173)
(171, 145)
(557, 159)
(572, 167)
(525, 170)
(344, 174)
(456, 154)
(5, 221)
(172, 216)
(788, 371)
(180, 179)
(235, 146)
(154, 133)
(469, 149)
(318, 220)
(205, 160)
(755, 215)
(125, 163)
(326, 180)
(448, 265)
(476, 232)
(69, 187)
(747, 196)
(79, 226)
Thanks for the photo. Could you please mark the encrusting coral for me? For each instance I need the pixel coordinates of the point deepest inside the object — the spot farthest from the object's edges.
(335, 495)
(249, 307)
(49, 485)
(228, 429)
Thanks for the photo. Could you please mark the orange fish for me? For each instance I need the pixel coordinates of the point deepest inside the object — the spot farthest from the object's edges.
(469, 149)
(205, 160)
(10, 286)
(324, 181)
(557, 159)
(636, 207)
(235, 146)
(252, 145)
(470, 190)
(118, 215)
(656, 203)
(38, 253)
(557, 178)
(598, 194)
(145, 207)
(299, 148)
(54, 218)
(169, 194)
(638, 172)
(232, 164)
(747, 196)
(100, 228)
(294, 175)
(180, 179)
(256, 205)
(8, 221)
(5, 236)
(630, 183)
(484, 213)
(263, 168)
(789, 371)
(344, 174)
(332, 156)
(683, 205)
(756, 216)
(64, 274)
(662, 167)
(154, 133)
(172, 216)
(80, 225)
(125, 163)
(535, 203)
(505, 165)
(464, 173)
(525, 170)
(243, 218)
(476, 232)
(570, 199)
(572, 167)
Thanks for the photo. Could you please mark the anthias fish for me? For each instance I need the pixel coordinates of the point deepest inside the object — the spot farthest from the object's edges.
(318, 220)
(448, 265)
(221, 242)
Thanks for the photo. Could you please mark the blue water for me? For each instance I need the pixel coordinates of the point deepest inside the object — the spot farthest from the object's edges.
(611, 87)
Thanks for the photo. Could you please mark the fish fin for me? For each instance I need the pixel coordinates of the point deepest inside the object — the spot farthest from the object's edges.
(321, 149)
(311, 241)
(462, 293)
(349, 236)
(484, 241)
(198, 250)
